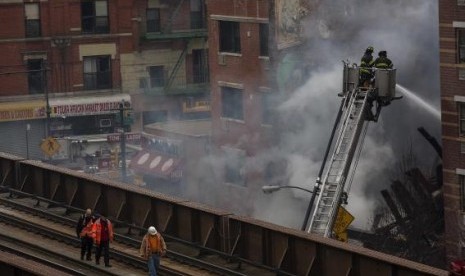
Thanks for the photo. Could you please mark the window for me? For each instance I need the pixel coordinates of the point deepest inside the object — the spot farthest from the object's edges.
(234, 169)
(94, 16)
(461, 2)
(197, 21)
(157, 76)
(461, 45)
(461, 118)
(230, 40)
(200, 66)
(97, 72)
(32, 14)
(231, 102)
(266, 108)
(153, 20)
(264, 31)
(36, 76)
(462, 192)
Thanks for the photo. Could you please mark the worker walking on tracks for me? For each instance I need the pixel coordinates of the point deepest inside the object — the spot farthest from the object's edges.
(84, 232)
(102, 231)
(153, 247)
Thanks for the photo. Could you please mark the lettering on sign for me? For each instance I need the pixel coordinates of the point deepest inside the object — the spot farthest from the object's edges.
(129, 137)
(90, 108)
(22, 114)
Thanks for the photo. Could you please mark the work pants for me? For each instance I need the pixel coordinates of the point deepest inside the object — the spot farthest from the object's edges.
(105, 247)
(153, 264)
(86, 246)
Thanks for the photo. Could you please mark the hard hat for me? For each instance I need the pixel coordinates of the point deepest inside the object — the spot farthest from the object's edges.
(382, 53)
(370, 49)
(152, 230)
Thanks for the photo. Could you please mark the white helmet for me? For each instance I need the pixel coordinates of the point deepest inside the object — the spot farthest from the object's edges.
(152, 230)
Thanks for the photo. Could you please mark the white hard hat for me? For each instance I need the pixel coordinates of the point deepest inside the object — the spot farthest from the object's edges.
(152, 230)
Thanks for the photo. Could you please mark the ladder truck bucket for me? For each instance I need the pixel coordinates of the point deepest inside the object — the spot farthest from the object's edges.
(385, 83)
(350, 78)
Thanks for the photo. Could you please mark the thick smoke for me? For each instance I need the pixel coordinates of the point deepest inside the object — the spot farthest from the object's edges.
(408, 31)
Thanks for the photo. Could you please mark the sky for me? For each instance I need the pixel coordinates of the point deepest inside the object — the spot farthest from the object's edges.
(408, 31)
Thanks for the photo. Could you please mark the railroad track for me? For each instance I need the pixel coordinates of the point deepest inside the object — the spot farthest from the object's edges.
(176, 263)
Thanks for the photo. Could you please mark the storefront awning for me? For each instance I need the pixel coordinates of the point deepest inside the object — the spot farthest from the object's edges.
(156, 164)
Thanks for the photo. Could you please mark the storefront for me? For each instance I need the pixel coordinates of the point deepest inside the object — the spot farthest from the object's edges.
(86, 115)
(22, 128)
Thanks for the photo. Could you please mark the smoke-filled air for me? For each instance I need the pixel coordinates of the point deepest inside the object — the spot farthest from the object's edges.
(408, 31)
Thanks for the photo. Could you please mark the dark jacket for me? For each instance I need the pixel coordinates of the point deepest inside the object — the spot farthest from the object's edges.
(383, 63)
(82, 223)
(366, 63)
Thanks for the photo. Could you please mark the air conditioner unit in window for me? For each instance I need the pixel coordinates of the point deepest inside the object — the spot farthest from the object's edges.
(105, 123)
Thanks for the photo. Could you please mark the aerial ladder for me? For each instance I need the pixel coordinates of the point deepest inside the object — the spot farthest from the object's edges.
(360, 105)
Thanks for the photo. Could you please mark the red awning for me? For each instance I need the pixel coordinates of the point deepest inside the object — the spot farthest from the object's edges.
(155, 163)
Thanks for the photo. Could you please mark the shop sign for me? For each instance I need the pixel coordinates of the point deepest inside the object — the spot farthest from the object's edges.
(85, 109)
(22, 113)
(130, 137)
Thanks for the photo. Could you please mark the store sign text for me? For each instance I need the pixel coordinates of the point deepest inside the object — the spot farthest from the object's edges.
(22, 114)
(85, 109)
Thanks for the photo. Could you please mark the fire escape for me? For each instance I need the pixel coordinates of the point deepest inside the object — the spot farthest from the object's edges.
(174, 82)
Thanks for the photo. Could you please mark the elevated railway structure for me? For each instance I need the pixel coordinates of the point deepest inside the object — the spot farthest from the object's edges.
(242, 242)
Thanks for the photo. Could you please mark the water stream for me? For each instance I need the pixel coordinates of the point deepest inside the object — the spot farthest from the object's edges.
(421, 102)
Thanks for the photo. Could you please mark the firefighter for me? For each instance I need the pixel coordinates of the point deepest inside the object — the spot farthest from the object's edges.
(383, 62)
(102, 232)
(84, 232)
(366, 65)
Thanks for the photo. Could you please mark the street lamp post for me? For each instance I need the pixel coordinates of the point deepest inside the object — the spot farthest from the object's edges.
(272, 188)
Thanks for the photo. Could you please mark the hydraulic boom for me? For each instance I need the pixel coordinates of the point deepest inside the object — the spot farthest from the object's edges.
(355, 112)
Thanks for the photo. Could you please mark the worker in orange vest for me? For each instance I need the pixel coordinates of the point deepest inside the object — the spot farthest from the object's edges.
(153, 247)
(84, 232)
(102, 231)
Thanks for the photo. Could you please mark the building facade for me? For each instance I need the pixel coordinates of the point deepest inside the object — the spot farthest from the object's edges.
(68, 65)
(252, 50)
(60, 74)
(452, 70)
(167, 73)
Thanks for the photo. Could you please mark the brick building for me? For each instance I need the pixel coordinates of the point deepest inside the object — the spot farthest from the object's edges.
(452, 70)
(65, 54)
(82, 58)
(253, 47)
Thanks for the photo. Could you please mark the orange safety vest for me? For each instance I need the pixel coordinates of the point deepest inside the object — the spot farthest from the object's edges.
(87, 230)
(97, 231)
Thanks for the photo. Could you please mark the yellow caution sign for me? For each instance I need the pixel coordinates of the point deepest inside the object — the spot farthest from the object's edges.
(343, 220)
(343, 237)
(50, 146)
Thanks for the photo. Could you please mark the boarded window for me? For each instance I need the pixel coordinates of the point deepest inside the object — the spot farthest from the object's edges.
(230, 40)
(232, 103)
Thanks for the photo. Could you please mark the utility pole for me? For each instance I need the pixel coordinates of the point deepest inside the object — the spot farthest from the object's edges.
(123, 108)
(48, 109)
